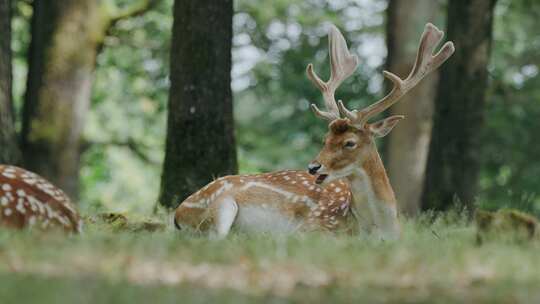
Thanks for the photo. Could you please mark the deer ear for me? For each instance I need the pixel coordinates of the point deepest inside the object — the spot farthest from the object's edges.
(384, 126)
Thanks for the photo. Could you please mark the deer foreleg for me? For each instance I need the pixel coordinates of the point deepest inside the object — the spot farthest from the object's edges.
(226, 210)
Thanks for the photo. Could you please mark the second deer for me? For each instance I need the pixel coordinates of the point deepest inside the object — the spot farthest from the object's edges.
(29, 201)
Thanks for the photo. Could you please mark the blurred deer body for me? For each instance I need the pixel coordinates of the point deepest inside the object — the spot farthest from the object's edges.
(27, 200)
(349, 150)
(281, 202)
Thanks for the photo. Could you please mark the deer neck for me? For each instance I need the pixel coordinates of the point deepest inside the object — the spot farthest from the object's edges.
(374, 202)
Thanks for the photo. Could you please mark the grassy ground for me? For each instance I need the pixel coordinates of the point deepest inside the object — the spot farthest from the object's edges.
(433, 263)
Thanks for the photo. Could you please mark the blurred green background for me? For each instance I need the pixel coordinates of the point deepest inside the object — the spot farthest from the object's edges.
(273, 42)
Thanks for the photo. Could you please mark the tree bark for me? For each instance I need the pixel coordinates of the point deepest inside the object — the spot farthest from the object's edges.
(9, 151)
(200, 141)
(453, 162)
(407, 146)
(66, 38)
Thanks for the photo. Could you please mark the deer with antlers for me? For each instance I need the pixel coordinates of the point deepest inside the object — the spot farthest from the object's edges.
(29, 201)
(345, 185)
(349, 150)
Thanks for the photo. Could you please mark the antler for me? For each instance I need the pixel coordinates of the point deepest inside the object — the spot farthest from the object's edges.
(425, 63)
(343, 64)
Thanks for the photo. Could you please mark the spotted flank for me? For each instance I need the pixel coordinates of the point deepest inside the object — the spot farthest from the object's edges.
(285, 201)
(29, 201)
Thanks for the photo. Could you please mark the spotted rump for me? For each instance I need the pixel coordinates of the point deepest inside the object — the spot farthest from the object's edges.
(28, 200)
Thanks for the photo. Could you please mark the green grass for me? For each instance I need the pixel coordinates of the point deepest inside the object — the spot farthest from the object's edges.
(433, 263)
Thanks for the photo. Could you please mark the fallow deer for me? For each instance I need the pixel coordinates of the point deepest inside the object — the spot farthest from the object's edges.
(29, 201)
(287, 201)
(350, 151)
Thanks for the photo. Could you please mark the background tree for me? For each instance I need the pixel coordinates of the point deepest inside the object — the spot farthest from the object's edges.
(66, 38)
(454, 158)
(407, 146)
(200, 134)
(9, 153)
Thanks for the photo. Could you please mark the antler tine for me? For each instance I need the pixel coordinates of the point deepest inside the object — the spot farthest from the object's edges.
(342, 64)
(425, 63)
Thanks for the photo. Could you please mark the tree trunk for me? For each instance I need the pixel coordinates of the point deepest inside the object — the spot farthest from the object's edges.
(66, 37)
(453, 161)
(200, 142)
(9, 151)
(407, 146)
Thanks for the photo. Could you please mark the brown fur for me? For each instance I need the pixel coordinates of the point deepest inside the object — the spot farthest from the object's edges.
(381, 184)
(335, 157)
(340, 126)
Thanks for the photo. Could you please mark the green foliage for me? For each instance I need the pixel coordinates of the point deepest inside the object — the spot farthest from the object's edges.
(276, 129)
(126, 127)
(20, 26)
(511, 149)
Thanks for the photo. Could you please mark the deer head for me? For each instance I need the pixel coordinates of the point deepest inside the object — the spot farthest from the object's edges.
(350, 139)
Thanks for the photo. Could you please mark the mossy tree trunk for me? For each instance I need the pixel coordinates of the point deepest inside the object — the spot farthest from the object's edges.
(407, 145)
(66, 38)
(200, 133)
(453, 161)
(9, 151)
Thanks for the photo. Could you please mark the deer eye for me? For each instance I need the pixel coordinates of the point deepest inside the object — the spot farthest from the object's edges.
(350, 144)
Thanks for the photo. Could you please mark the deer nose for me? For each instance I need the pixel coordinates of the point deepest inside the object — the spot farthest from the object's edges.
(314, 167)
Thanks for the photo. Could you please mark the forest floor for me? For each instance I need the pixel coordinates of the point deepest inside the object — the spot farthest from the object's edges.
(436, 262)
